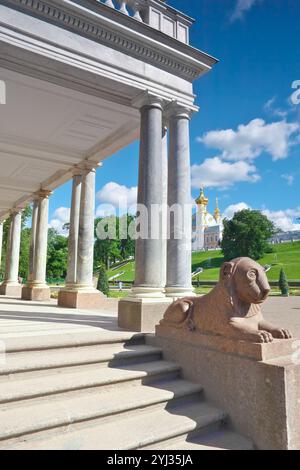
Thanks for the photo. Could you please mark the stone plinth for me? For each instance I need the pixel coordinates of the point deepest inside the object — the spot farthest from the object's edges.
(256, 351)
(141, 314)
(258, 385)
(11, 290)
(88, 300)
(36, 293)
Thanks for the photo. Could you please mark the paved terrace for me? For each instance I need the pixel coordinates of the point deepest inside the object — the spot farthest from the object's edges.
(20, 318)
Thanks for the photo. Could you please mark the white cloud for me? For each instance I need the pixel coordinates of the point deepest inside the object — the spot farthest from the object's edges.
(242, 6)
(114, 195)
(284, 219)
(269, 107)
(289, 179)
(251, 140)
(233, 208)
(213, 172)
(60, 217)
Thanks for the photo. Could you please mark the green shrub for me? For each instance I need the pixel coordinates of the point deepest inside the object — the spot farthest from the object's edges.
(102, 285)
(283, 283)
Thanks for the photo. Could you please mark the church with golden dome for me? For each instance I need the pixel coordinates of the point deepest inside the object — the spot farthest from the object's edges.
(207, 227)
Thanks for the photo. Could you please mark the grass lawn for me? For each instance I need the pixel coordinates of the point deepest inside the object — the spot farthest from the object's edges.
(200, 291)
(286, 256)
(128, 272)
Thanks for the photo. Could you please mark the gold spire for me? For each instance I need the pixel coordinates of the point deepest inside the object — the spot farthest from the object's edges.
(217, 213)
(202, 199)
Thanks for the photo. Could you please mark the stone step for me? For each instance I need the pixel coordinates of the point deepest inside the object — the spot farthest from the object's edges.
(64, 339)
(133, 431)
(66, 379)
(16, 419)
(212, 439)
(114, 354)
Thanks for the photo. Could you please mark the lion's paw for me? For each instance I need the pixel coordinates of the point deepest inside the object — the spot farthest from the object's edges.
(281, 333)
(262, 337)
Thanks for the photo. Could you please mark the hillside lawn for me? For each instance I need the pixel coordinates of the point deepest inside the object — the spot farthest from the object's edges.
(286, 256)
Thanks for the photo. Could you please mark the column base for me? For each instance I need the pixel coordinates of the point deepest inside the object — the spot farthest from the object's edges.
(179, 292)
(85, 300)
(40, 294)
(11, 290)
(141, 314)
(147, 293)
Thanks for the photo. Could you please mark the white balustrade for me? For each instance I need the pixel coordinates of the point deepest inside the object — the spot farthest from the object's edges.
(135, 7)
(156, 14)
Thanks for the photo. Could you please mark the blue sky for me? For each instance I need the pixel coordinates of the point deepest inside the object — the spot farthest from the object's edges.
(245, 141)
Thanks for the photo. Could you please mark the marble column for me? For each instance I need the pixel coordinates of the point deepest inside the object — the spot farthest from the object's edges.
(11, 285)
(165, 203)
(34, 219)
(179, 249)
(36, 288)
(1, 242)
(148, 256)
(147, 302)
(86, 237)
(80, 291)
(74, 229)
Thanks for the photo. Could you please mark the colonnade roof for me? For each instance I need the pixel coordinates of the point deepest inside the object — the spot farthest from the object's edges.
(71, 72)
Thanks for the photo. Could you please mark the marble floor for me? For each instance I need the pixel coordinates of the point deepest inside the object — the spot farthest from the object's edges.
(21, 318)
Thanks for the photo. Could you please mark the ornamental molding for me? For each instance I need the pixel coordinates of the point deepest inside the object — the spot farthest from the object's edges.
(60, 15)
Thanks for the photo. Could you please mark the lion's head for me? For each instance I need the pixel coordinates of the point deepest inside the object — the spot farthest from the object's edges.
(245, 280)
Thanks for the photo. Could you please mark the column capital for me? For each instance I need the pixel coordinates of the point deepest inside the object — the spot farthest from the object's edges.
(43, 194)
(76, 171)
(16, 210)
(87, 166)
(178, 110)
(148, 99)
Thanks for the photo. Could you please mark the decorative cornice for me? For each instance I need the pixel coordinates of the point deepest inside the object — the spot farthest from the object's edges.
(77, 22)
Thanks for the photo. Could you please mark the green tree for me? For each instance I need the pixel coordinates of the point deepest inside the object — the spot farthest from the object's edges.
(57, 257)
(283, 283)
(102, 285)
(110, 250)
(24, 253)
(246, 234)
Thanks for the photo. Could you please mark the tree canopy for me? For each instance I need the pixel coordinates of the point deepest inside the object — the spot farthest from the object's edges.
(109, 250)
(57, 255)
(246, 234)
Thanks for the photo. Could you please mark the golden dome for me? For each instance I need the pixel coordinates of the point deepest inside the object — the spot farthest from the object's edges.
(217, 212)
(202, 199)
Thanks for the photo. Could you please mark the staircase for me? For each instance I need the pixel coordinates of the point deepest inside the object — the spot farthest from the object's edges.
(103, 391)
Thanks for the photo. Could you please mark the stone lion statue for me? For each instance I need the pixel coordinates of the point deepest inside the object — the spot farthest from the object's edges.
(232, 308)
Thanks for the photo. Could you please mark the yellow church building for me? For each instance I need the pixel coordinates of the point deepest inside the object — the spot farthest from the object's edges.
(207, 227)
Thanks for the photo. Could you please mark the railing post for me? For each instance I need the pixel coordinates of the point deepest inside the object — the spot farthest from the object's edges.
(123, 9)
(109, 3)
(136, 6)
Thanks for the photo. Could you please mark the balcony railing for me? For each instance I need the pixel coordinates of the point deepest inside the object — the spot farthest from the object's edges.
(155, 13)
